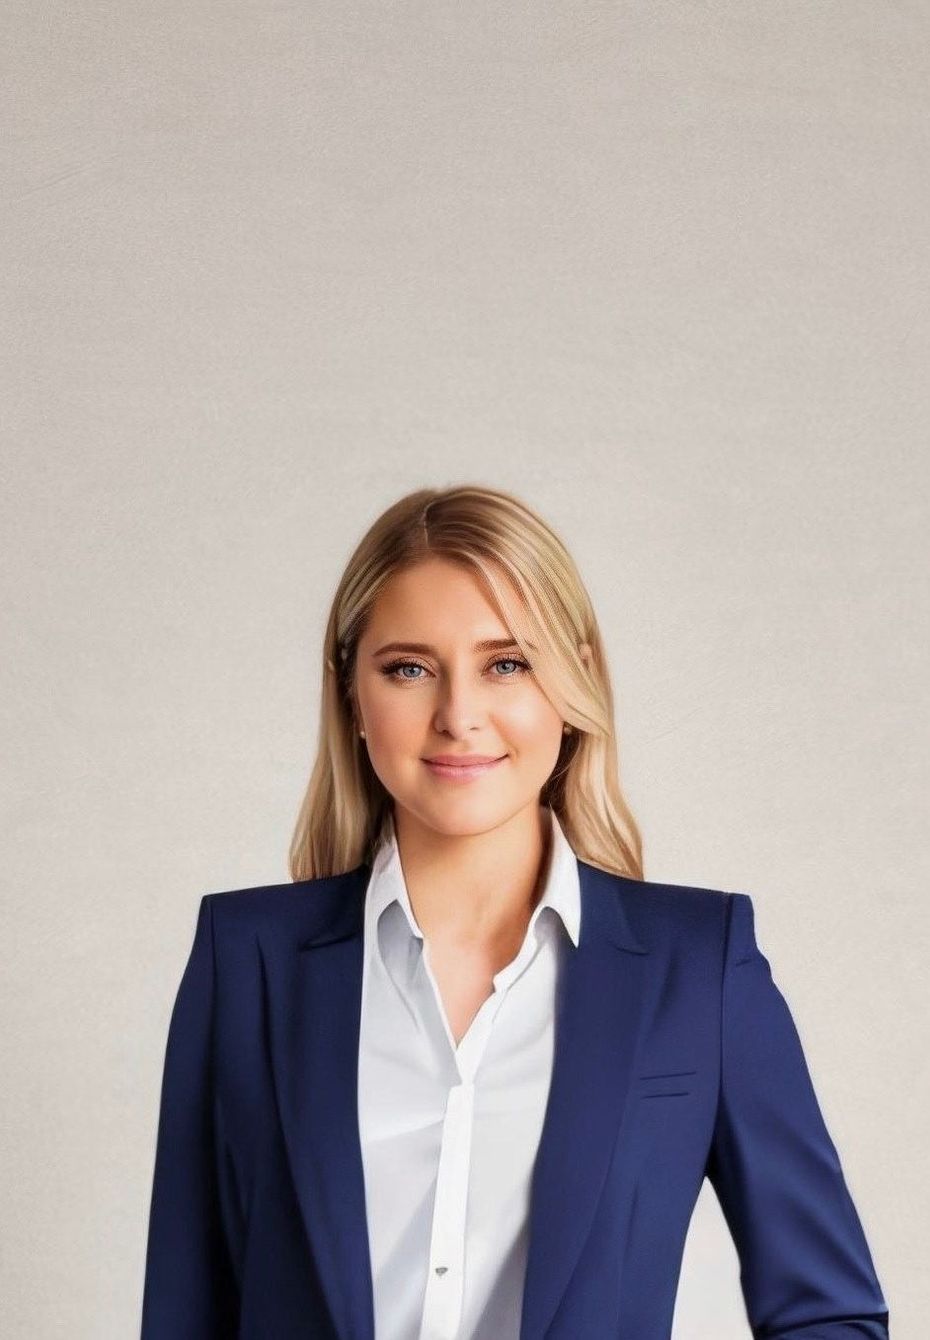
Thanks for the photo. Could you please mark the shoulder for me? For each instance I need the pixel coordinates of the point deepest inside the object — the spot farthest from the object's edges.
(658, 912)
(296, 906)
(662, 913)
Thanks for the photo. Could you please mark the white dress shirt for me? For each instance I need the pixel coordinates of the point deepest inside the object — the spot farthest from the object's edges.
(449, 1133)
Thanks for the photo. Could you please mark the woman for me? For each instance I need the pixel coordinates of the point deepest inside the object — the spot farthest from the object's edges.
(465, 1075)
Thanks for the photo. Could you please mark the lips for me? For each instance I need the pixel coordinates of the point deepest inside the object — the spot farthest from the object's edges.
(464, 768)
(462, 760)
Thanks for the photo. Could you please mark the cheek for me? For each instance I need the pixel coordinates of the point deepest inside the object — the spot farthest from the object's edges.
(392, 712)
(531, 723)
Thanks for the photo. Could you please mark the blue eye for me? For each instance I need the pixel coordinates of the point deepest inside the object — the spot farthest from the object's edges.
(389, 671)
(401, 665)
(510, 660)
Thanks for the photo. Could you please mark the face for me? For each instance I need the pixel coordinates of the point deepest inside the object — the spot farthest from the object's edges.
(454, 698)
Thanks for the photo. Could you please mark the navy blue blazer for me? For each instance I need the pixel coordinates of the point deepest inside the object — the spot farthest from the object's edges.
(676, 1058)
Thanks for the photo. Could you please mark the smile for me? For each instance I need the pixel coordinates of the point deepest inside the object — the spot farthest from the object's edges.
(462, 772)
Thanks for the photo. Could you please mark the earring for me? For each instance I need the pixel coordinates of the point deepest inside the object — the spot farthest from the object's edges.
(566, 728)
(362, 734)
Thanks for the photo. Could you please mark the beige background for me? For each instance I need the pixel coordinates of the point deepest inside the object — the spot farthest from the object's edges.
(660, 268)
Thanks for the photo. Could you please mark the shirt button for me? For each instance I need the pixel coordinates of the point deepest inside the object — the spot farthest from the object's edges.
(441, 1270)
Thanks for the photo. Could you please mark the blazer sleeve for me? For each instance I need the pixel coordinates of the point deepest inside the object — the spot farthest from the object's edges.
(190, 1292)
(805, 1268)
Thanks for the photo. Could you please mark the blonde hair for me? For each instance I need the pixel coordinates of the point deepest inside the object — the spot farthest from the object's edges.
(531, 578)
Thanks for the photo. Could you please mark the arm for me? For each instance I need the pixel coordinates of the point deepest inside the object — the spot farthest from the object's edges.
(190, 1292)
(805, 1268)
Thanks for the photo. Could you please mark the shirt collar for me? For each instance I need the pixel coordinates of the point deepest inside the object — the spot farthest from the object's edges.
(387, 886)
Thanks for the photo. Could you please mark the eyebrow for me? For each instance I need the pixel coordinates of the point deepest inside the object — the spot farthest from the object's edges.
(424, 648)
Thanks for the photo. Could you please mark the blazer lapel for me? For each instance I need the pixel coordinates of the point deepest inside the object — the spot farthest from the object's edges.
(599, 1011)
(313, 980)
(313, 985)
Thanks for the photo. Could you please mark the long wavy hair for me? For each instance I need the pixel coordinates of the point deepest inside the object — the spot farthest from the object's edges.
(533, 582)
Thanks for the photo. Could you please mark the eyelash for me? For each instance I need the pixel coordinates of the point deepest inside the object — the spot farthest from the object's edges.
(388, 670)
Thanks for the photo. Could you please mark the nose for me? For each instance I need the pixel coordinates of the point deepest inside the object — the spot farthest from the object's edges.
(461, 707)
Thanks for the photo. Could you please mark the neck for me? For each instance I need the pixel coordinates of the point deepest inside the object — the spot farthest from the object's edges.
(476, 889)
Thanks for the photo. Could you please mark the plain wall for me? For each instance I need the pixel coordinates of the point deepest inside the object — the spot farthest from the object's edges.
(662, 270)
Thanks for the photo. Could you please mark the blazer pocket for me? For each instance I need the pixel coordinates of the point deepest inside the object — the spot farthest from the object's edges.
(672, 1083)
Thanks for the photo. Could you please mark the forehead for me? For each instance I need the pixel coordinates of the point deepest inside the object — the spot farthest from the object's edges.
(437, 600)
(441, 607)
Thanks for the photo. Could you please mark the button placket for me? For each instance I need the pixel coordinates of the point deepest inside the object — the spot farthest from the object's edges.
(445, 1284)
(442, 1307)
